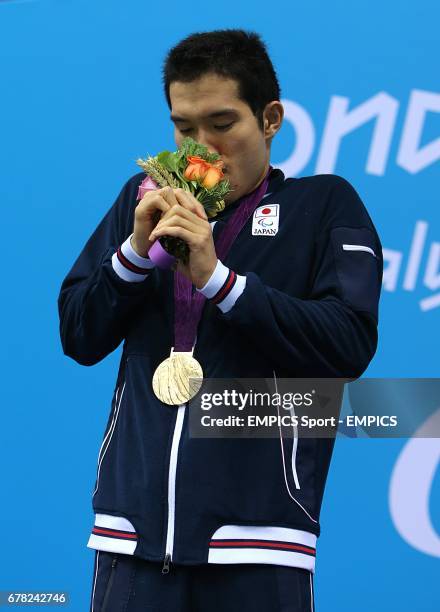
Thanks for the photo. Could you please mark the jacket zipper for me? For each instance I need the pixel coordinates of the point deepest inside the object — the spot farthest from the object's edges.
(172, 488)
(109, 584)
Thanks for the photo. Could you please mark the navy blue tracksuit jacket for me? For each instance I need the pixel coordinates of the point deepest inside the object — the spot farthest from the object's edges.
(297, 301)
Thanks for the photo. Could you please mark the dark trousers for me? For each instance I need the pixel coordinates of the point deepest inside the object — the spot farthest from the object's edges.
(125, 583)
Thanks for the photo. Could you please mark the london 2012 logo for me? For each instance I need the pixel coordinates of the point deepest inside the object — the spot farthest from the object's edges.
(395, 275)
(413, 155)
(410, 488)
(382, 110)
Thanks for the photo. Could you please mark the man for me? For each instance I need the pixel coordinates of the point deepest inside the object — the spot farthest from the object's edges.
(191, 524)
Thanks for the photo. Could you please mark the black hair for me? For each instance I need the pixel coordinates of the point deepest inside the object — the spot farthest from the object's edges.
(236, 54)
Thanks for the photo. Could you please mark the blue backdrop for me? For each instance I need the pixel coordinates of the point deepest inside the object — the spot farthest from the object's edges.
(81, 99)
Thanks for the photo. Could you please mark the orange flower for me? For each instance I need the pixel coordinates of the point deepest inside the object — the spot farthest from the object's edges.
(212, 177)
(208, 173)
(196, 168)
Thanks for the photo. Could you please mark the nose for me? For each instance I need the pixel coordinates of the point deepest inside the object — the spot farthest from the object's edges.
(205, 138)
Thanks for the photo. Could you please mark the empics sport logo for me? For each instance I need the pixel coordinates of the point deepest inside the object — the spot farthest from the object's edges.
(265, 220)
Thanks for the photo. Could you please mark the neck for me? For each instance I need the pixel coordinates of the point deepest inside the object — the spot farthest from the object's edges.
(256, 184)
(263, 174)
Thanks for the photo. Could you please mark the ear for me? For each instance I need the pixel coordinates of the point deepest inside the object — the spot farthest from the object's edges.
(272, 118)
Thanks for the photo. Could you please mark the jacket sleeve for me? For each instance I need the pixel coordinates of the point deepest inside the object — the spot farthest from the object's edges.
(105, 285)
(333, 332)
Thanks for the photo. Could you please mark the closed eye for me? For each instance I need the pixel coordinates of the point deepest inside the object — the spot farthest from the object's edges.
(224, 127)
(221, 128)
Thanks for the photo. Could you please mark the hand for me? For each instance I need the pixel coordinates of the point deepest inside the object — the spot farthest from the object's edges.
(187, 220)
(147, 213)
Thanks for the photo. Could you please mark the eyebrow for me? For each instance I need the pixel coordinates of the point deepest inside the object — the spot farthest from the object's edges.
(219, 113)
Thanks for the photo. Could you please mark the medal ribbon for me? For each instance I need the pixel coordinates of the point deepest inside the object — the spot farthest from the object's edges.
(188, 305)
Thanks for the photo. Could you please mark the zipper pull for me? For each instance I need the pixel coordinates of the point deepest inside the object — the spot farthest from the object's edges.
(166, 564)
(108, 588)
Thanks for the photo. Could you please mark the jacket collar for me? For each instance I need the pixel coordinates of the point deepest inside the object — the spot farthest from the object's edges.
(276, 179)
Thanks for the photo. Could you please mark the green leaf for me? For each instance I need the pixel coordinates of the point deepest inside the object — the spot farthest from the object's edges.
(190, 147)
(168, 159)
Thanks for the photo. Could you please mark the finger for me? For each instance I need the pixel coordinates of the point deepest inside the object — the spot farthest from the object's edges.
(147, 200)
(160, 204)
(180, 211)
(191, 238)
(187, 200)
(164, 225)
(167, 194)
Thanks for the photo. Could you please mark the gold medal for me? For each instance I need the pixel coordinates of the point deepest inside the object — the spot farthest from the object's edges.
(177, 378)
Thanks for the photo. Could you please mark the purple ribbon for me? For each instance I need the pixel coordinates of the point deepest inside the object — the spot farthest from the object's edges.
(188, 305)
(160, 257)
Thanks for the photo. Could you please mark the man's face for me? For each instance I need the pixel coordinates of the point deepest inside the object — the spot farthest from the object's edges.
(209, 111)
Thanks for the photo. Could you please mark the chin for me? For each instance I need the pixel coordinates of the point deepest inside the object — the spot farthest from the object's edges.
(233, 195)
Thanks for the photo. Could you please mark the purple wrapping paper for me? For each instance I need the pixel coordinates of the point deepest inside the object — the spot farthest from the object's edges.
(147, 185)
(160, 257)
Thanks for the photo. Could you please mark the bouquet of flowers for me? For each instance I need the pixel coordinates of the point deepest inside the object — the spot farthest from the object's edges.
(193, 168)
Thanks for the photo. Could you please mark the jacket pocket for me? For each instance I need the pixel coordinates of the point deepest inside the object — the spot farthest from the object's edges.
(358, 263)
(359, 247)
(290, 449)
(289, 444)
(109, 431)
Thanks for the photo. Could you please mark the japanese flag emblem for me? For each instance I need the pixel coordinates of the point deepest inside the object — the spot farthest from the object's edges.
(265, 220)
